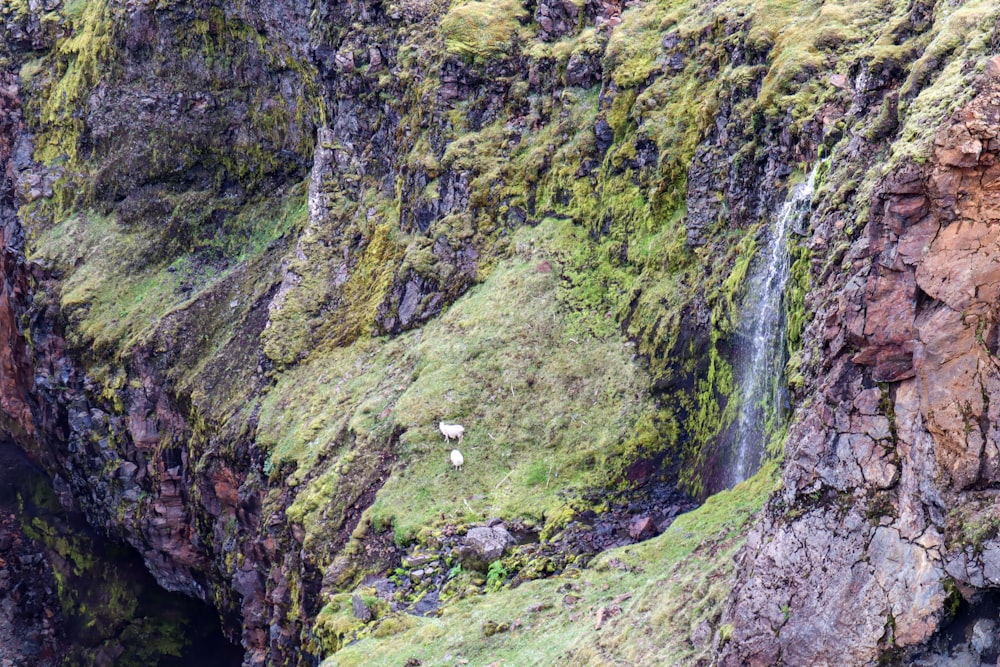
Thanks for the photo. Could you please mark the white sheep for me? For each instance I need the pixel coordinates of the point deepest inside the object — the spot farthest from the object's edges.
(457, 459)
(452, 431)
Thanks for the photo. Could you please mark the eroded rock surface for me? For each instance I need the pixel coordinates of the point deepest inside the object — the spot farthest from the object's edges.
(892, 469)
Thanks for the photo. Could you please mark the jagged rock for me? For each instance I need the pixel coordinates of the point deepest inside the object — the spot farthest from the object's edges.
(583, 69)
(424, 164)
(605, 135)
(919, 305)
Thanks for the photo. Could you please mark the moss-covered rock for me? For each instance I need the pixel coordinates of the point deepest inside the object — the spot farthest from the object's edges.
(538, 224)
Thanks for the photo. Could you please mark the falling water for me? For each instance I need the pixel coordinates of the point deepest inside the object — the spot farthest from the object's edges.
(761, 354)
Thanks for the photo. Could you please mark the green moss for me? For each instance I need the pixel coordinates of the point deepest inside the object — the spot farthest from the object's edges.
(675, 582)
(116, 295)
(533, 393)
(939, 90)
(799, 280)
(83, 59)
(479, 30)
(102, 601)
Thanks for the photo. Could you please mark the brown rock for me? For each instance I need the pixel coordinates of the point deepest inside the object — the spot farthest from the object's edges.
(960, 267)
(819, 582)
(916, 240)
(956, 147)
(642, 528)
(605, 614)
(905, 210)
(840, 81)
(992, 69)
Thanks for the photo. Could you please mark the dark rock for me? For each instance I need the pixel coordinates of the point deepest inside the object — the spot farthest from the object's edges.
(360, 609)
(605, 135)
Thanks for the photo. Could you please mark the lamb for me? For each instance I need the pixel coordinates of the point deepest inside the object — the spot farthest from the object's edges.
(452, 431)
(457, 459)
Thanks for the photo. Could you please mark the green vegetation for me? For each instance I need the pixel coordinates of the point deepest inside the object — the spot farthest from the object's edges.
(673, 583)
(82, 59)
(187, 239)
(496, 576)
(481, 29)
(546, 407)
(122, 282)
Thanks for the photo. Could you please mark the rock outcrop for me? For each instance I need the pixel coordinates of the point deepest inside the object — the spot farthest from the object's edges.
(889, 483)
(252, 253)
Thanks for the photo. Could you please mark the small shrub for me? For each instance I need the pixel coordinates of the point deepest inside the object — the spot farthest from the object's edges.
(496, 576)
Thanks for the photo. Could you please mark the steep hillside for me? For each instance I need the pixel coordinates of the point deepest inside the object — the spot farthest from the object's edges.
(254, 253)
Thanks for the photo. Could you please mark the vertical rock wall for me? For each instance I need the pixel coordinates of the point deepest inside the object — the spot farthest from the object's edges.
(887, 515)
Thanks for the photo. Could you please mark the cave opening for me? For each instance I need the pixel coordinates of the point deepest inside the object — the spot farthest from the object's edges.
(80, 598)
(971, 637)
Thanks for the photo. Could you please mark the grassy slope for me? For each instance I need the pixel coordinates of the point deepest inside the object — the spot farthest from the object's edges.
(546, 407)
(531, 362)
(675, 582)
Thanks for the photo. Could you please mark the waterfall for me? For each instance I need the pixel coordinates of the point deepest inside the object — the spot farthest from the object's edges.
(760, 351)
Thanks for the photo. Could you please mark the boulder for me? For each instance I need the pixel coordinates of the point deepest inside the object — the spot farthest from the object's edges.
(483, 545)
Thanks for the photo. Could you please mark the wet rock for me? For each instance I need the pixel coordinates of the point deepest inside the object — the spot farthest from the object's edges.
(874, 473)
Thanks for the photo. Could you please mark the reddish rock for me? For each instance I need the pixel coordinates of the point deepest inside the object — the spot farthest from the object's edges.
(840, 81)
(955, 146)
(226, 487)
(642, 528)
(992, 69)
(905, 210)
(887, 343)
(881, 483)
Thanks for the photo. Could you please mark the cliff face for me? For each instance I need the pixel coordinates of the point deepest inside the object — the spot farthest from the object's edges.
(885, 517)
(254, 252)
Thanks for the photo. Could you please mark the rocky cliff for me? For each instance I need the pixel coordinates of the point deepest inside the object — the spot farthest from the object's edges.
(253, 253)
